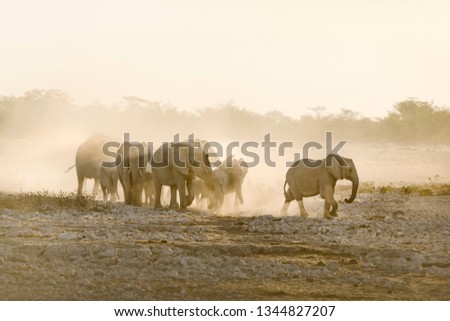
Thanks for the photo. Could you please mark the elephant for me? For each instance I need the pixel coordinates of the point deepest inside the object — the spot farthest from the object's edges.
(149, 189)
(88, 158)
(307, 178)
(175, 165)
(131, 162)
(108, 178)
(235, 175)
(227, 178)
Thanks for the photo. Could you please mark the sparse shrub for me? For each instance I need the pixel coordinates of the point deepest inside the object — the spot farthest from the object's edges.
(429, 189)
(367, 187)
(426, 192)
(408, 189)
(386, 189)
(43, 201)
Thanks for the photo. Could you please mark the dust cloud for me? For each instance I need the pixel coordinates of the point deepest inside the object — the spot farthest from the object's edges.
(40, 133)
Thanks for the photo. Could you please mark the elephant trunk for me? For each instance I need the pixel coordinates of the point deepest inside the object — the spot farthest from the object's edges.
(355, 184)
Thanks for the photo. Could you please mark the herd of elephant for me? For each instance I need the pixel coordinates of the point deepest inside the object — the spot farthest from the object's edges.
(186, 168)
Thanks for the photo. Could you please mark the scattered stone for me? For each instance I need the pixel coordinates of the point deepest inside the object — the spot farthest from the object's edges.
(333, 266)
(398, 213)
(110, 252)
(353, 261)
(65, 215)
(68, 236)
(134, 253)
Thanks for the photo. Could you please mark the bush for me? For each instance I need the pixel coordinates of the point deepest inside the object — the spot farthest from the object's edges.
(44, 201)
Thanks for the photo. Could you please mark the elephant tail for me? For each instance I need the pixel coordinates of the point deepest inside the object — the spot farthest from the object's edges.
(68, 170)
(284, 188)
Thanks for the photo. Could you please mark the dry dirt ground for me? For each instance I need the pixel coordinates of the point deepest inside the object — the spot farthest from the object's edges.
(382, 247)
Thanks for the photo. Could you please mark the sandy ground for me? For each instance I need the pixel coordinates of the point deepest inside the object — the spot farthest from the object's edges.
(382, 247)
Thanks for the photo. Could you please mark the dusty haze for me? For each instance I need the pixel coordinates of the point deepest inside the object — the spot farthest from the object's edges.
(42, 129)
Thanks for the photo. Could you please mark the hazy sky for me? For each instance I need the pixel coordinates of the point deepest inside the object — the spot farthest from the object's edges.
(262, 55)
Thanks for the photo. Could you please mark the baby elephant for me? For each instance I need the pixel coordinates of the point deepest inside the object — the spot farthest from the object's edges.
(308, 178)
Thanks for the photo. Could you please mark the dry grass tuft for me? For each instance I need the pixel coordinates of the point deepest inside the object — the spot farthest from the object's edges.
(44, 201)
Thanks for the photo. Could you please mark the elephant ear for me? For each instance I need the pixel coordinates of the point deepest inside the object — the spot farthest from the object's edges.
(182, 158)
(334, 166)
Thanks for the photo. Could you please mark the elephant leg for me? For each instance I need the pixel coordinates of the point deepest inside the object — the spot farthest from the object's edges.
(151, 194)
(113, 190)
(96, 186)
(158, 188)
(80, 185)
(181, 185)
(334, 205)
(151, 199)
(122, 183)
(220, 202)
(326, 210)
(168, 196)
(137, 194)
(330, 202)
(239, 196)
(197, 200)
(127, 194)
(236, 202)
(203, 202)
(287, 201)
(129, 188)
(220, 207)
(106, 188)
(173, 197)
(303, 212)
(105, 192)
(139, 189)
(134, 199)
(206, 202)
(146, 196)
(190, 194)
(285, 207)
